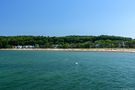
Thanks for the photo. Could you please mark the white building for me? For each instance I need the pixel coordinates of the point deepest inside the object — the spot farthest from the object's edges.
(19, 47)
(25, 46)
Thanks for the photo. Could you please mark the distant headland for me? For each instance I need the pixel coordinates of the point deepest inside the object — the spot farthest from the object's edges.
(66, 42)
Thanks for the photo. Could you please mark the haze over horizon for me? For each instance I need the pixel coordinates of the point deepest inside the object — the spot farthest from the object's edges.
(67, 17)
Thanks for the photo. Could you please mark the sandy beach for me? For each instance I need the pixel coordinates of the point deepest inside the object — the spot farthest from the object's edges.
(79, 49)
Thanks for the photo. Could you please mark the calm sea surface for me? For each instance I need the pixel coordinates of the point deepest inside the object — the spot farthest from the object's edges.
(66, 70)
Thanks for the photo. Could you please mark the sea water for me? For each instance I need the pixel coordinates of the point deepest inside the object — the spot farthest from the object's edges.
(66, 70)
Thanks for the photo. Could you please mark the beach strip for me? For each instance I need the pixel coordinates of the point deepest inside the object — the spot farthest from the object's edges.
(78, 49)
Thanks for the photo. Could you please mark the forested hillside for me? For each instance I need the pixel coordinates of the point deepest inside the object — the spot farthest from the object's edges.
(102, 41)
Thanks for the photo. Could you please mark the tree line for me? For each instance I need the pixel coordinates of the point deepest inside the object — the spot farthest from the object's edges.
(73, 41)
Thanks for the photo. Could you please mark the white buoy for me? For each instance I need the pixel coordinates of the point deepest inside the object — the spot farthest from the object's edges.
(76, 63)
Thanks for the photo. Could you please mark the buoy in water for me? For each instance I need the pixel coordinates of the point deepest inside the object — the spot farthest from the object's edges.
(76, 63)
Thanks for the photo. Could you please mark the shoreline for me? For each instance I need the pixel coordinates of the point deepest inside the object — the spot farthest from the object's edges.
(79, 49)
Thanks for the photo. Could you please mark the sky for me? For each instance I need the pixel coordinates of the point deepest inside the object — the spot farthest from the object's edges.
(67, 17)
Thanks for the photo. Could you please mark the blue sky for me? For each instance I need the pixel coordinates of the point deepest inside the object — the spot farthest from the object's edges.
(67, 17)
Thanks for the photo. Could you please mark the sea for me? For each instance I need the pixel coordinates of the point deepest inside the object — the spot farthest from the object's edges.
(66, 70)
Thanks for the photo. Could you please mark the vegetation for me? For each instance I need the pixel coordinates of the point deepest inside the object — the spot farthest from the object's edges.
(102, 41)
